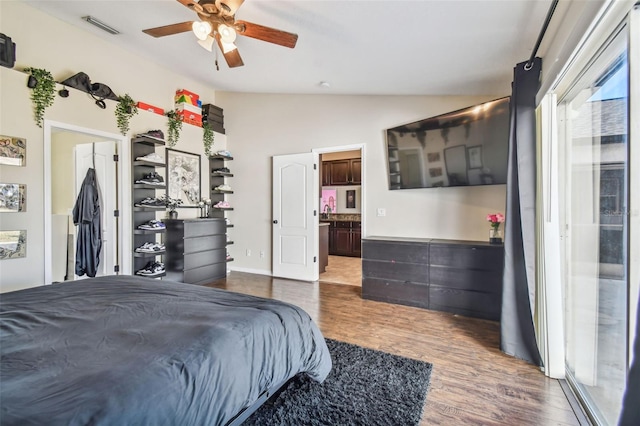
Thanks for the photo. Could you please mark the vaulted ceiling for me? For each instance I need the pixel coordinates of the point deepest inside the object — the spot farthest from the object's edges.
(430, 47)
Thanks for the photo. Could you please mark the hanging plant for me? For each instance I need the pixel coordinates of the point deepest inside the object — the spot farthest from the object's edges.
(207, 138)
(175, 125)
(125, 109)
(43, 91)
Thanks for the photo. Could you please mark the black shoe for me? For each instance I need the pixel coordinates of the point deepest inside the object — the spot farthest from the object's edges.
(154, 134)
(221, 170)
(152, 269)
(152, 178)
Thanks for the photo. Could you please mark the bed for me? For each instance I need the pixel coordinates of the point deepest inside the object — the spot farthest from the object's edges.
(133, 350)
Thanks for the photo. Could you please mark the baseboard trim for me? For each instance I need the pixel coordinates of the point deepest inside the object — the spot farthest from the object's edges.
(582, 417)
(250, 270)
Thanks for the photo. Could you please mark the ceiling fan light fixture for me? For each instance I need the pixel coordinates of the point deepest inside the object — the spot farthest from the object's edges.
(227, 33)
(227, 47)
(201, 29)
(207, 43)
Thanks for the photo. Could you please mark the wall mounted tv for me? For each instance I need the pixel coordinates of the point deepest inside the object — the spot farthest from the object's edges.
(466, 147)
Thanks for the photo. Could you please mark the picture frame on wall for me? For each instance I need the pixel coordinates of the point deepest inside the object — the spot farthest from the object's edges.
(13, 244)
(351, 198)
(183, 177)
(474, 157)
(13, 151)
(13, 198)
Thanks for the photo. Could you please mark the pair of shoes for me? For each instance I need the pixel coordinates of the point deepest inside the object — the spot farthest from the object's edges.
(155, 203)
(221, 170)
(150, 247)
(157, 134)
(222, 188)
(223, 153)
(228, 256)
(152, 225)
(152, 157)
(222, 205)
(152, 269)
(152, 178)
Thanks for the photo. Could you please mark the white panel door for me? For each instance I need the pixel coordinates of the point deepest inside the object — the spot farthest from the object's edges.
(295, 219)
(102, 161)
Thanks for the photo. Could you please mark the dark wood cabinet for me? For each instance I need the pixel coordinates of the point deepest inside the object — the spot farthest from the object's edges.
(344, 238)
(342, 172)
(196, 250)
(461, 277)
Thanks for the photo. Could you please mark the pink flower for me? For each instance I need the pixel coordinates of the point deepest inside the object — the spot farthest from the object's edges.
(495, 219)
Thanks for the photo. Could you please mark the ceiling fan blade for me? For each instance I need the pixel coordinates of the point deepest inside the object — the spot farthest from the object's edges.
(267, 34)
(232, 56)
(182, 27)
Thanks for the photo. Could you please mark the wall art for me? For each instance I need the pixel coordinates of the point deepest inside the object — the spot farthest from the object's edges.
(183, 177)
(13, 197)
(13, 151)
(13, 244)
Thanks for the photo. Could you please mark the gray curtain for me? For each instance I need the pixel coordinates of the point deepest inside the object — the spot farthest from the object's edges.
(517, 334)
(630, 415)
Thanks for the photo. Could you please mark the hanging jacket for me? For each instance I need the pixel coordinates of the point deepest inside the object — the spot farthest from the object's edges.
(86, 216)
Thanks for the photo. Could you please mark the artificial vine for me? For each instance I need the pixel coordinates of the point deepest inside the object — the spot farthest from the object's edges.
(175, 126)
(207, 138)
(43, 88)
(125, 109)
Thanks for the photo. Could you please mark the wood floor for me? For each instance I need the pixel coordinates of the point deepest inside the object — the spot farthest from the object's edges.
(343, 270)
(472, 383)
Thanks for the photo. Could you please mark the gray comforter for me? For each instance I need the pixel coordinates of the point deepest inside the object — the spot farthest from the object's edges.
(135, 351)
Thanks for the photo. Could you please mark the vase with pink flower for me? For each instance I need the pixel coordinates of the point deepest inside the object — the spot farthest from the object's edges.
(495, 235)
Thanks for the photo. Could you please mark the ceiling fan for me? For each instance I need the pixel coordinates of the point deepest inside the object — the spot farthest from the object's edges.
(217, 23)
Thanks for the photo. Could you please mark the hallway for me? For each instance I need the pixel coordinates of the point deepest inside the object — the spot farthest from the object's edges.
(343, 270)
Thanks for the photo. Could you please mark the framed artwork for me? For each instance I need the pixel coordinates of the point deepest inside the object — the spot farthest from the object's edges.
(183, 177)
(13, 197)
(435, 172)
(433, 157)
(351, 198)
(474, 157)
(13, 244)
(13, 151)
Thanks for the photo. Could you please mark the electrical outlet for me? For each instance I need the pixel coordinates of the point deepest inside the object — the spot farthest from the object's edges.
(261, 254)
(382, 212)
(248, 252)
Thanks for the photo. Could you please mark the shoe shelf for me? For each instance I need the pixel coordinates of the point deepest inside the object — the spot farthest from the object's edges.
(219, 174)
(142, 146)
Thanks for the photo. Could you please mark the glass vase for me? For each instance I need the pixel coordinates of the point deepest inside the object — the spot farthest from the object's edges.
(495, 236)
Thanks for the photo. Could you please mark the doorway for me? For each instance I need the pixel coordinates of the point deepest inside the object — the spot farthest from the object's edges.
(341, 204)
(69, 152)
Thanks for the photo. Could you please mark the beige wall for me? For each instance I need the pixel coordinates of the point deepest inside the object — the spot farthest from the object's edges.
(69, 51)
(262, 125)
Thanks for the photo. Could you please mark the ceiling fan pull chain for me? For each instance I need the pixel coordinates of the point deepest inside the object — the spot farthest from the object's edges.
(216, 50)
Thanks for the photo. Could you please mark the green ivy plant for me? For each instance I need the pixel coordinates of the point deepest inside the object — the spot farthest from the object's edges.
(43, 91)
(174, 127)
(207, 138)
(125, 109)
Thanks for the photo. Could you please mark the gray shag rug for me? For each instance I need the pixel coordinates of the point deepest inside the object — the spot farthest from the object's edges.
(365, 387)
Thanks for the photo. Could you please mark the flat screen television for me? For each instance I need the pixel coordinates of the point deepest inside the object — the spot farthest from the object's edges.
(466, 147)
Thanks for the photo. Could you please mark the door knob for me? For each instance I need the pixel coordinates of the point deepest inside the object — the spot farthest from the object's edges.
(275, 221)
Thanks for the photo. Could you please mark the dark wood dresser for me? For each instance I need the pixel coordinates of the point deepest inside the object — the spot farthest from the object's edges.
(461, 277)
(196, 250)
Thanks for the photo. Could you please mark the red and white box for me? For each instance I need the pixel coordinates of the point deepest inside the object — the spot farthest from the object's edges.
(183, 95)
(183, 106)
(190, 117)
(150, 108)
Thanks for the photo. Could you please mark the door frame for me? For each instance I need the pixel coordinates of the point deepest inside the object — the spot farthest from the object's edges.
(123, 175)
(363, 173)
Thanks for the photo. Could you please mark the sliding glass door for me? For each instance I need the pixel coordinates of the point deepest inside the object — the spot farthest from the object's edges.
(593, 117)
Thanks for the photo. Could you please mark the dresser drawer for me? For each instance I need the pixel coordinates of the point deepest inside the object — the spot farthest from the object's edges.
(206, 274)
(465, 279)
(196, 244)
(398, 271)
(204, 258)
(391, 291)
(397, 252)
(465, 302)
(204, 227)
(467, 256)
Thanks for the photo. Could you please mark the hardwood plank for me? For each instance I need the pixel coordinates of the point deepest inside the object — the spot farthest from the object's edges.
(473, 382)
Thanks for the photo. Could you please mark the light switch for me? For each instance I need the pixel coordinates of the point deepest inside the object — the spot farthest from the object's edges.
(382, 212)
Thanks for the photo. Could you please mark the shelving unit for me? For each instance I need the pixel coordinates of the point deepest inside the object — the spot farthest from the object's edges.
(141, 146)
(395, 179)
(216, 179)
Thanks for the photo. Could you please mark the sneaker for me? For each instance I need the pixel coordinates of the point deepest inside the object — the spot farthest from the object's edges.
(223, 153)
(222, 188)
(152, 178)
(228, 256)
(221, 170)
(152, 225)
(152, 269)
(155, 203)
(150, 247)
(152, 158)
(222, 205)
(156, 134)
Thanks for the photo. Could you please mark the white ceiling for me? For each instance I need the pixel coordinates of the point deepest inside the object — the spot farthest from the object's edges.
(428, 47)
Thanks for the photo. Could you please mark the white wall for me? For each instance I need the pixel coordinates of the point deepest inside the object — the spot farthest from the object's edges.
(262, 125)
(65, 50)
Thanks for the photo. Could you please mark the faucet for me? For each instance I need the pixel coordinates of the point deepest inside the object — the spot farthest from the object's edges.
(325, 211)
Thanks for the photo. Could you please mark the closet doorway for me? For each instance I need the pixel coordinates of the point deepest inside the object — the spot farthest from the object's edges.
(70, 152)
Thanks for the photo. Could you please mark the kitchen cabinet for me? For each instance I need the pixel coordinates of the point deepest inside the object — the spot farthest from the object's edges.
(345, 238)
(342, 172)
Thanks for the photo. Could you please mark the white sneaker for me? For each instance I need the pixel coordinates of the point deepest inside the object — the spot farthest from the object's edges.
(222, 188)
(152, 158)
